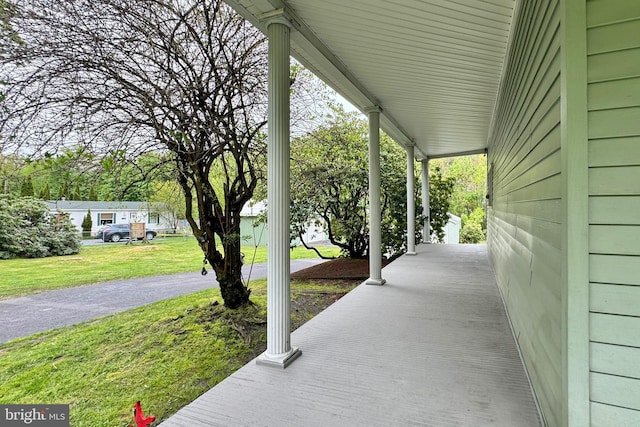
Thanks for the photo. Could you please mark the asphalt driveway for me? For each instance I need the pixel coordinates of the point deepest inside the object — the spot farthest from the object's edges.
(41, 312)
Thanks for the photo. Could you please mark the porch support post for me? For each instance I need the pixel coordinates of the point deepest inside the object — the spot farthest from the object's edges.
(279, 352)
(411, 203)
(426, 230)
(375, 215)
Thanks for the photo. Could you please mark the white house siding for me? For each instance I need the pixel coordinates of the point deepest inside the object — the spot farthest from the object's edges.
(452, 229)
(613, 48)
(524, 216)
(116, 212)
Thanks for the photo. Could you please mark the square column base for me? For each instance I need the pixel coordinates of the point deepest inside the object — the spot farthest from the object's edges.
(375, 282)
(279, 361)
(410, 253)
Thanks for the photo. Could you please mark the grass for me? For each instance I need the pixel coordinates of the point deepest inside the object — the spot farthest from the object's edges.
(164, 354)
(113, 262)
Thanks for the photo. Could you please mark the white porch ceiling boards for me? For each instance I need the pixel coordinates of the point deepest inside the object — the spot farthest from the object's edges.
(433, 66)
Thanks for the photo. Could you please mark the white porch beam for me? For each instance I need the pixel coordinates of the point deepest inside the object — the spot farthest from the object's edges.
(279, 352)
(458, 154)
(375, 212)
(426, 229)
(411, 203)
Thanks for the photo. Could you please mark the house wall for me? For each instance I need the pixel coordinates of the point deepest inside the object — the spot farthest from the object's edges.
(76, 219)
(525, 212)
(120, 216)
(452, 230)
(613, 63)
(253, 235)
(257, 235)
(119, 212)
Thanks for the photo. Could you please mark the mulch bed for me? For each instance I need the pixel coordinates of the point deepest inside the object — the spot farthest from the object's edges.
(340, 268)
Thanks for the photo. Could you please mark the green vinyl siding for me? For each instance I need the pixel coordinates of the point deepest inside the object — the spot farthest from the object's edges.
(253, 234)
(524, 221)
(607, 415)
(614, 269)
(613, 46)
(615, 359)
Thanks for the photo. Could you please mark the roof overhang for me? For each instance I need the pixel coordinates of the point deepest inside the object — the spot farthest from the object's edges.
(433, 67)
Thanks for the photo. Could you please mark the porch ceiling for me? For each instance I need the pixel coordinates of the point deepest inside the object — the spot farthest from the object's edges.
(433, 66)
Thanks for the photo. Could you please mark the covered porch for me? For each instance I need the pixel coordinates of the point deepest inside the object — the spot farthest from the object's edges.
(431, 347)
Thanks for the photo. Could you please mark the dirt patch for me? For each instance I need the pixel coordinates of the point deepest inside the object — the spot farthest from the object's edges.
(306, 303)
(247, 323)
(341, 268)
(250, 324)
(137, 247)
(312, 291)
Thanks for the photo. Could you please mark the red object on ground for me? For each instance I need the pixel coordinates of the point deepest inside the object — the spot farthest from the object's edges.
(139, 418)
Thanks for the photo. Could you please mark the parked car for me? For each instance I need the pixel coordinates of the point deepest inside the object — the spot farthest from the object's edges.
(117, 232)
(100, 230)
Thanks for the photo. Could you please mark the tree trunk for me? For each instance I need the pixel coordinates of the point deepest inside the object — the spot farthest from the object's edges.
(234, 293)
(229, 267)
(229, 274)
(214, 222)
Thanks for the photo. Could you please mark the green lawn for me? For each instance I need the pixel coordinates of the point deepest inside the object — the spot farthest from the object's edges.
(165, 354)
(115, 261)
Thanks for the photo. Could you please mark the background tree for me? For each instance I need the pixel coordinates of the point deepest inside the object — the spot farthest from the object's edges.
(66, 174)
(26, 188)
(45, 192)
(10, 178)
(8, 35)
(329, 175)
(393, 177)
(186, 80)
(440, 190)
(330, 183)
(171, 196)
(469, 192)
(8, 40)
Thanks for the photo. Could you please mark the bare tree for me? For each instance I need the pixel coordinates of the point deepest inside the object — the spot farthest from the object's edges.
(183, 77)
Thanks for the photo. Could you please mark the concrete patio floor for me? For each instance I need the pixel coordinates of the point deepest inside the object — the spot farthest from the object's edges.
(432, 347)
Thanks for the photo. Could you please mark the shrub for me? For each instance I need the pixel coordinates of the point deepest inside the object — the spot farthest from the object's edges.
(471, 233)
(477, 217)
(29, 230)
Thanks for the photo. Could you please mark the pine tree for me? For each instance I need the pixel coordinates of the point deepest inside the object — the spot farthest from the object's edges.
(26, 189)
(45, 193)
(77, 192)
(64, 191)
(87, 223)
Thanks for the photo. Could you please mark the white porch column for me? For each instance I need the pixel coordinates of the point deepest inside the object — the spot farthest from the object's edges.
(375, 216)
(411, 203)
(426, 230)
(279, 351)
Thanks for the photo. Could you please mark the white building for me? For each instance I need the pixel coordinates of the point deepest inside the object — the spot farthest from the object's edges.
(155, 215)
(452, 229)
(255, 233)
